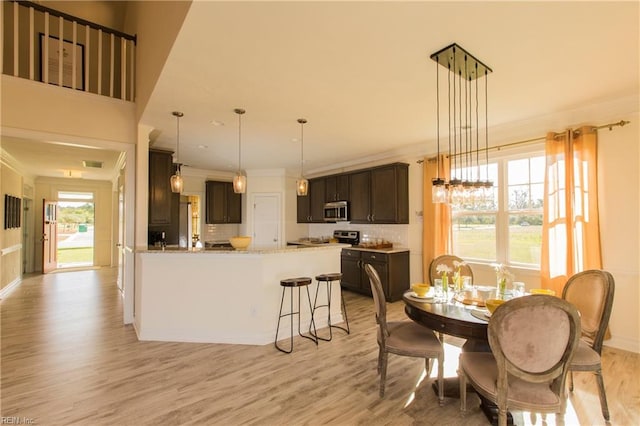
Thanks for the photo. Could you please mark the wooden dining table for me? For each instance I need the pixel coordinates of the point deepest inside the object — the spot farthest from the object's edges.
(455, 319)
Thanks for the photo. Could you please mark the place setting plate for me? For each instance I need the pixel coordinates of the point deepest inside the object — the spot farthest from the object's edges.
(481, 314)
(426, 298)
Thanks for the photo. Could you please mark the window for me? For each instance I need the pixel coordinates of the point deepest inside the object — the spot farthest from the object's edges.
(508, 228)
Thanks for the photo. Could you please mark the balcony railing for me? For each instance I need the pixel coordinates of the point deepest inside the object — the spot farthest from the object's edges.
(42, 44)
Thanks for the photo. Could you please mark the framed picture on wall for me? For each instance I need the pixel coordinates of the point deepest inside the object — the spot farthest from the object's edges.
(12, 212)
(52, 62)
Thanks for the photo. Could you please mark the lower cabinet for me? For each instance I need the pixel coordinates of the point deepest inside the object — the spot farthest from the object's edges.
(393, 269)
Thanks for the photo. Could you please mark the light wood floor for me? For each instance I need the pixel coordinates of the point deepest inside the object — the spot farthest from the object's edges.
(67, 359)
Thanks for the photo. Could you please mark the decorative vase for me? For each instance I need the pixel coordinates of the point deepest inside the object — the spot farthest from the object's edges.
(445, 285)
(500, 288)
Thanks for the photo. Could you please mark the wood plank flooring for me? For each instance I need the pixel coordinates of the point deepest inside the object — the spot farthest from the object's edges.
(67, 359)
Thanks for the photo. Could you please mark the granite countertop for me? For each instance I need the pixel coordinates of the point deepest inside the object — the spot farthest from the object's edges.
(224, 251)
(381, 250)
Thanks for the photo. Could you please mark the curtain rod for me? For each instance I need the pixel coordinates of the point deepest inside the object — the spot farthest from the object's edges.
(610, 126)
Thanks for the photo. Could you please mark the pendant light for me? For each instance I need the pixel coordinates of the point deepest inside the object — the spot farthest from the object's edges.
(439, 189)
(239, 180)
(176, 180)
(302, 185)
(461, 191)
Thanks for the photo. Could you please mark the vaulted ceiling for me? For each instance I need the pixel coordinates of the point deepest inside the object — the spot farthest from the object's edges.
(360, 73)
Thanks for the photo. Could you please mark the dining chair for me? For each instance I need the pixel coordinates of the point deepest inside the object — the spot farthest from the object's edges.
(532, 340)
(405, 338)
(448, 259)
(592, 293)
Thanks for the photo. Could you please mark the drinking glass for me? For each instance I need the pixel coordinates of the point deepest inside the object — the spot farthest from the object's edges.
(439, 291)
(518, 289)
(466, 282)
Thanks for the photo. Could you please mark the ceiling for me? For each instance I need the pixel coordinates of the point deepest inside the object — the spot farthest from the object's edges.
(360, 73)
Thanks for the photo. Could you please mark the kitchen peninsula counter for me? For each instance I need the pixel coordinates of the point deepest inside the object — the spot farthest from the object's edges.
(226, 296)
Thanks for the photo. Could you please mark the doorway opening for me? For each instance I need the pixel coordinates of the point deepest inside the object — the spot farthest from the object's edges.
(75, 230)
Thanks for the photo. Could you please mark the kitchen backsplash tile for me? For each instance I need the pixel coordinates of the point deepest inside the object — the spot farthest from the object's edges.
(218, 232)
(397, 234)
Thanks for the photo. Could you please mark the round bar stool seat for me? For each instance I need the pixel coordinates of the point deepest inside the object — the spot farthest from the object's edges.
(328, 280)
(291, 284)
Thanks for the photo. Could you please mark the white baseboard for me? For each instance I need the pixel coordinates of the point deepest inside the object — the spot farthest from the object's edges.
(631, 345)
(10, 287)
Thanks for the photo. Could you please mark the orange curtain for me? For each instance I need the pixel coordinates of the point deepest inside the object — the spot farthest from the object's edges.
(570, 229)
(436, 233)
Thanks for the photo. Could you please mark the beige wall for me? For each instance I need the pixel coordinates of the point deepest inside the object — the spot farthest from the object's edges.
(618, 199)
(11, 241)
(156, 23)
(73, 116)
(47, 188)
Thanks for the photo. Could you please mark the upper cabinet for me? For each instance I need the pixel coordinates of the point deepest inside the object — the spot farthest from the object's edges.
(380, 194)
(375, 195)
(311, 206)
(360, 197)
(222, 204)
(390, 194)
(161, 199)
(336, 188)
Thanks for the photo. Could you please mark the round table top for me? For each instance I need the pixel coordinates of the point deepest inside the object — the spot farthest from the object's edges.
(450, 318)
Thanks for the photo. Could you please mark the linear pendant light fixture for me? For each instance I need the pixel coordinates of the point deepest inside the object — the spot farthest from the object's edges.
(302, 184)
(176, 180)
(239, 180)
(461, 190)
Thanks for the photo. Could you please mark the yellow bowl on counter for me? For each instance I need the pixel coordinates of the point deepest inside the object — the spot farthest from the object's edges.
(542, 291)
(420, 289)
(240, 243)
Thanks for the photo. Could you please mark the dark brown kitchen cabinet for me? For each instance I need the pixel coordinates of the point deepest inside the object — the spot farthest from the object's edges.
(222, 204)
(164, 205)
(360, 197)
(311, 206)
(160, 195)
(380, 194)
(337, 188)
(393, 269)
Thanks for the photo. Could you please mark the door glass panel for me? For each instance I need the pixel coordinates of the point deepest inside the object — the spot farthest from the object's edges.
(76, 217)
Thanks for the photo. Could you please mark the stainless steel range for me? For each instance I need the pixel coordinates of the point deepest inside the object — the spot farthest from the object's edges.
(347, 237)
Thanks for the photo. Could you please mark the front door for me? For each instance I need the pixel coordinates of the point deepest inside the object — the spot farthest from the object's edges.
(49, 236)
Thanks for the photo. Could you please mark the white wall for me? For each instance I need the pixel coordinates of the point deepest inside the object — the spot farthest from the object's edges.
(10, 239)
(618, 195)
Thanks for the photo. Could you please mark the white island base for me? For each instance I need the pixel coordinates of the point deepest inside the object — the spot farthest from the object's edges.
(228, 296)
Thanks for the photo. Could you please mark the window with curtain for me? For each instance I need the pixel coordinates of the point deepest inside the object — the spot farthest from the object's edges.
(507, 229)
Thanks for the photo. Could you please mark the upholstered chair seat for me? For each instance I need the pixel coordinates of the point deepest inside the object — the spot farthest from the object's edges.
(592, 293)
(405, 338)
(532, 340)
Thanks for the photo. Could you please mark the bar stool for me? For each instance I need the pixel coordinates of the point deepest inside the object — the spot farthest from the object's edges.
(328, 279)
(291, 284)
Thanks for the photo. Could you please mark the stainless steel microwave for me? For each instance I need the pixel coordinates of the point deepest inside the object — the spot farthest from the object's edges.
(337, 211)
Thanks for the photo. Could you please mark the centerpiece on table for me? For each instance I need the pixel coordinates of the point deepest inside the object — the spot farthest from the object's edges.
(503, 277)
(457, 276)
(444, 271)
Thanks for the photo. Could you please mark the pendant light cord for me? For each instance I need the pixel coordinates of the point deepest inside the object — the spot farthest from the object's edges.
(178, 115)
(239, 111)
(302, 122)
(438, 119)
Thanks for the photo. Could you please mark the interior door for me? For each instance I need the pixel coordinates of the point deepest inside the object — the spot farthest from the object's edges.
(49, 236)
(266, 220)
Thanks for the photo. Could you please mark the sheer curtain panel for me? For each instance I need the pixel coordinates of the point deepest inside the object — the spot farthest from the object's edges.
(570, 230)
